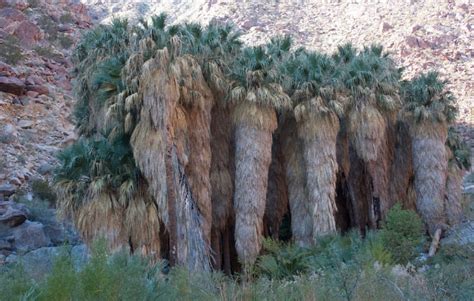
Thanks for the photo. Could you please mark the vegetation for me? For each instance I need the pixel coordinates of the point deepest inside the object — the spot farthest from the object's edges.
(10, 50)
(402, 234)
(185, 129)
(44, 191)
(339, 268)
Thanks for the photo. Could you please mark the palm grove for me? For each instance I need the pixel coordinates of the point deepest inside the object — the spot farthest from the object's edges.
(194, 148)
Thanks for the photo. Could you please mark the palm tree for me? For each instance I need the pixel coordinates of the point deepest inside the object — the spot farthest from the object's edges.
(429, 108)
(256, 97)
(372, 83)
(317, 104)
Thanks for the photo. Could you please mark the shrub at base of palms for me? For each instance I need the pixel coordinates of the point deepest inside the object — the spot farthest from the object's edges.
(402, 234)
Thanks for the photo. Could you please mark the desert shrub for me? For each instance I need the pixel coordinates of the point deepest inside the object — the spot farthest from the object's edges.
(13, 282)
(47, 52)
(65, 41)
(402, 234)
(452, 281)
(282, 261)
(10, 50)
(44, 191)
(66, 18)
(33, 3)
(49, 27)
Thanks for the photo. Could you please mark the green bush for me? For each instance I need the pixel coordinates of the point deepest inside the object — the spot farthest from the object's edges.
(48, 52)
(282, 261)
(66, 18)
(10, 50)
(402, 234)
(44, 191)
(65, 41)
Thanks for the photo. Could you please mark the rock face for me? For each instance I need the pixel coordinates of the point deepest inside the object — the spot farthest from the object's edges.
(36, 39)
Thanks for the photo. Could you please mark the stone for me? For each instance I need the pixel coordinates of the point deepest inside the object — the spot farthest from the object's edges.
(25, 124)
(6, 70)
(12, 258)
(7, 190)
(12, 214)
(2, 259)
(12, 85)
(469, 189)
(12, 14)
(28, 33)
(45, 168)
(385, 27)
(39, 262)
(30, 236)
(32, 94)
(40, 89)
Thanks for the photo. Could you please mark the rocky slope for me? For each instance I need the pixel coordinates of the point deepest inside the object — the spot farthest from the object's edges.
(36, 38)
(36, 41)
(422, 35)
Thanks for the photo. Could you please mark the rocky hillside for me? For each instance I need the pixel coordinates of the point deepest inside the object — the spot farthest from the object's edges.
(36, 41)
(421, 35)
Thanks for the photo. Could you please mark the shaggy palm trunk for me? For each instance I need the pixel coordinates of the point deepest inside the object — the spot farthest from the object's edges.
(430, 165)
(453, 194)
(369, 137)
(401, 183)
(319, 134)
(301, 226)
(221, 181)
(159, 143)
(277, 192)
(254, 126)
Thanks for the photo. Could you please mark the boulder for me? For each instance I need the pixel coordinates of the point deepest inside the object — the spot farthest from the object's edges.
(30, 236)
(25, 124)
(45, 168)
(40, 89)
(28, 33)
(12, 85)
(40, 262)
(12, 214)
(12, 15)
(7, 190)
(6, 70)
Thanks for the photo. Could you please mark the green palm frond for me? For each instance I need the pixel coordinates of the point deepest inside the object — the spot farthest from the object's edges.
(426, 98)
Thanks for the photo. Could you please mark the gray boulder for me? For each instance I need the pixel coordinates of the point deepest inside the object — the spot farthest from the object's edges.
(40, 262)
(12, 214)
(29, 236)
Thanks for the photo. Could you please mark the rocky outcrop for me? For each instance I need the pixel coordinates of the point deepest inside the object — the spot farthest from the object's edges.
(12, 85)
(36, 40)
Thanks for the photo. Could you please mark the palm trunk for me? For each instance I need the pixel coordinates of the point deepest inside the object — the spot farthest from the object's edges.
(453, 194)
(430, 165)
(277, 193)
(253, 154)
(301, 226)
(319, 134)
